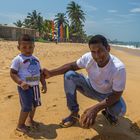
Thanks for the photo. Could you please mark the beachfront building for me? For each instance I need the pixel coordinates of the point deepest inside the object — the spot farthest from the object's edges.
(12, 33)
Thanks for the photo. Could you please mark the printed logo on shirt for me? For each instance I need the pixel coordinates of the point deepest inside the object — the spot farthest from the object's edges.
(107, 81)
(33, 67)
(33, 79)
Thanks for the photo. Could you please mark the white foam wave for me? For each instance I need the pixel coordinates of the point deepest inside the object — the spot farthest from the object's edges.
(125, 46)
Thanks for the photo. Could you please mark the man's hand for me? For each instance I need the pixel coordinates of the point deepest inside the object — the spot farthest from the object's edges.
(44, 88)
(88, 117)
(46, 73)
(24, 85)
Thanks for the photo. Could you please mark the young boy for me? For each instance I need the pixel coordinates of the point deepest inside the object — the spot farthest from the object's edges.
(26, 72)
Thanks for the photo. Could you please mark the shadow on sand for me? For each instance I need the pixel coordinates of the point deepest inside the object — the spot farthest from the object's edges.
(44, 131)
(124, 130)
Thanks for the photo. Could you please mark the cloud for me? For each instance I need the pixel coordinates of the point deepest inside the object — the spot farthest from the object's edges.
(90, 22)
(50, 15)
(90, 8)
(126, 16)
(87, 6)
(112, 11)
(115, 22)
(89, 26)
(12, 16)
(135, 10)
(135, 3)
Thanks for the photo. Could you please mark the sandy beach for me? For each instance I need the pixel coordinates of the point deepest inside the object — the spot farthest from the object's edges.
(54, 107)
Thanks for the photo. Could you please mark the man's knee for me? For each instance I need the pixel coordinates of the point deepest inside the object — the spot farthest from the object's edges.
(119, 109)
(70, 74)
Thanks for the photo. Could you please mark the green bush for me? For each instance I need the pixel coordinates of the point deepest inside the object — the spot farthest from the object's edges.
(41, 40)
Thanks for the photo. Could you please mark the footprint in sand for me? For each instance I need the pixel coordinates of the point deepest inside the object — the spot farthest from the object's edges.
(8, 97)
(51, 82)
(51, 106)
(18, 135)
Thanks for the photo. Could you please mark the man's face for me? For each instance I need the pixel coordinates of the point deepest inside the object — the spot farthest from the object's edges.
(26, 47)
(100, 53)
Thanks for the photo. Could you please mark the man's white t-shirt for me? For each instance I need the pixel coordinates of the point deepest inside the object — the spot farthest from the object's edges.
(28, 69)
(106, 79)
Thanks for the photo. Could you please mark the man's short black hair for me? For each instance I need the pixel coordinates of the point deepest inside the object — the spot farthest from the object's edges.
(25, 37)
(98, 39)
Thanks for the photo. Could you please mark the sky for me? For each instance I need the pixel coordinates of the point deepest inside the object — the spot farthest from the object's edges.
(115, 19)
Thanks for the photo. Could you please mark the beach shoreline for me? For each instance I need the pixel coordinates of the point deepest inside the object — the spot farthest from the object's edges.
(131, 51)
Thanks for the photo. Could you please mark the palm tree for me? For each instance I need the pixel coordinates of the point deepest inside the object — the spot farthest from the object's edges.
(27, 23)
(75, 13)
(34, 20)
(77, 18)
(61, 18)
(19, 23)
(47, 25)
(47, 29)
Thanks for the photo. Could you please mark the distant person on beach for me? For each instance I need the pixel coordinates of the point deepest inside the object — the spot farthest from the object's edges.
(26, 72)
(105, 83)
(55, 38)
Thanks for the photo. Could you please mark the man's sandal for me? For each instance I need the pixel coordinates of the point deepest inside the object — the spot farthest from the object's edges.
(70, 121)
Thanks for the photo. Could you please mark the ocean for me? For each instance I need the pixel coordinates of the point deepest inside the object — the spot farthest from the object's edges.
(131, 46)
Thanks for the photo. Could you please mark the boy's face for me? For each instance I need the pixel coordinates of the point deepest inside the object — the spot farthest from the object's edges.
(26, 47)
(100, 53)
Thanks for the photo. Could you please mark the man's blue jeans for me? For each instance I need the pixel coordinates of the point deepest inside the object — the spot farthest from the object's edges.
(74, 81)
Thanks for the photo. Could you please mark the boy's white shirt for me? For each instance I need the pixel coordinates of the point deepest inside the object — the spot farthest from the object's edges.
(28, 68)
(106, 79)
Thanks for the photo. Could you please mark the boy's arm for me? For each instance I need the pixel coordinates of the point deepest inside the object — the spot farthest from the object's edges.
(14, 76)
(16, 79)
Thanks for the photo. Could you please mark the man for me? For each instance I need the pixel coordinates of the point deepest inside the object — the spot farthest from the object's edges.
(105, 83)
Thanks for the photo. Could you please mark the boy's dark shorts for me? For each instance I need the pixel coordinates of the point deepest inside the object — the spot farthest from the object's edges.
(29, 98)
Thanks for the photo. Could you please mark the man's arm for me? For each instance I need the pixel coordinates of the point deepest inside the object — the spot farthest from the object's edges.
(89, 116)
(113, 98)
(61, 70)
(43, 82)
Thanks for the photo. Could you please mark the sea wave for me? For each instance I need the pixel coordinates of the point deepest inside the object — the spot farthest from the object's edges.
(127, 46)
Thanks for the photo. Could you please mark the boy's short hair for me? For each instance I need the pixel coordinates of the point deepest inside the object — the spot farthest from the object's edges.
(25, 37)
(98, 39)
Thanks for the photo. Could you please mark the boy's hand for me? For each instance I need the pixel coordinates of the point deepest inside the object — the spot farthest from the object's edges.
(24, 86)
(46, 73)
(44, 89)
